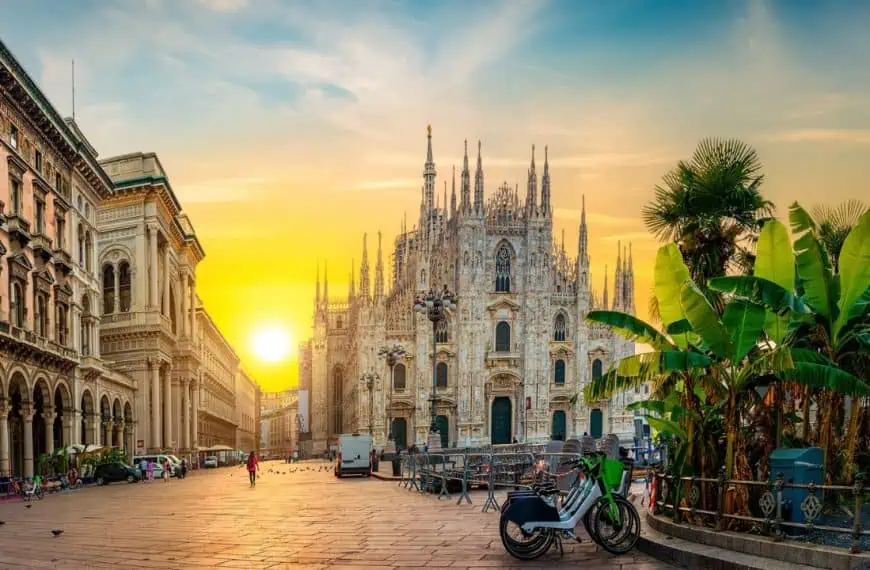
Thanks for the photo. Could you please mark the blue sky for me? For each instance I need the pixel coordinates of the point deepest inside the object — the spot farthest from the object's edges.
(298, 126)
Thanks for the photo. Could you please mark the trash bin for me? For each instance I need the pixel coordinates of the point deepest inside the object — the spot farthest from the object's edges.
(397, 467)
(799, 466)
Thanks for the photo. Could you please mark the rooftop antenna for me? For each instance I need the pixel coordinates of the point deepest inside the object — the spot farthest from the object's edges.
(74, 90)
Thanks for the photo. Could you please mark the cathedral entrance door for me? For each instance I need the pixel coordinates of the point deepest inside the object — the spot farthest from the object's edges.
(500, 429)
(596, 423)
(443, 430)
(400, 433)
(559, 426)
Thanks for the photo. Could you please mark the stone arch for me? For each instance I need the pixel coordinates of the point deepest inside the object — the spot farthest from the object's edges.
(63, 409)
(560, 326)
(116, 253)
(107, 272)
(128, 412)
(19, 398)
(3, 383)
(117, 409)
(105, 420)
(43, 385)
(117, 418)
(63, 392)
(504, 256)
(399, 376)
(88, 408)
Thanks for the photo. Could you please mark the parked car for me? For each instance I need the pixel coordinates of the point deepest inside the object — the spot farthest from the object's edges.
(114, 472)
(354, 455)
(158, 461)
(210, 461)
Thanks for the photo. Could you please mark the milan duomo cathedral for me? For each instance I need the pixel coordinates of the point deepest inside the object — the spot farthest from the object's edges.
(512, 358)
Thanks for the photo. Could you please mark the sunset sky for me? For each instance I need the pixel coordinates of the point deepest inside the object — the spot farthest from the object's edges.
(289, 129)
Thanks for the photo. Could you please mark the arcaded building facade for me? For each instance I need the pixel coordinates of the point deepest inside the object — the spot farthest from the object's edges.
(512, 359)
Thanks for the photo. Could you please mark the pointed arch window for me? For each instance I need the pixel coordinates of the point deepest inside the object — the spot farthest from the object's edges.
(81, 237)
(442, 331)
(124, 284)
(62, 324)
(108, 289)
(399, 377)
(503, 337)
(560, 328)
(19, 309)
(597, 368)
(89, 246)
(559, 372)
(41, 315)
(503, 270)
(441, 375)
(84, 325)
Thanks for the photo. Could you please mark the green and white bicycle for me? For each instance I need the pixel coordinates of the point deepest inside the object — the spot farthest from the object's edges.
(533, 521)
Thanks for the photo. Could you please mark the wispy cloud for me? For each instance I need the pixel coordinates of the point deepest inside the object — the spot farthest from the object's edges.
(853, 136)
(224, 5)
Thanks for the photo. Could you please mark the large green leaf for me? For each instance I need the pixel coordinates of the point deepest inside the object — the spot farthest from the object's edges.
(662, 425)
(745, 322)
(651, 364)
(705, 320)
(772, 296)
(632, 328)
(800, 220)
(670, 274)
(854, 262)
(830, 377)
(774, 262)
(820, 290)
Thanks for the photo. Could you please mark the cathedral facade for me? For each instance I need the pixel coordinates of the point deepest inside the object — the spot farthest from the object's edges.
(510, 362)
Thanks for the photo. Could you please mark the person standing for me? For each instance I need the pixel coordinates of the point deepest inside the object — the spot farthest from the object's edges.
(166, 470)
(143, 469)
(253, 466)
(184, 468)
(150, 470)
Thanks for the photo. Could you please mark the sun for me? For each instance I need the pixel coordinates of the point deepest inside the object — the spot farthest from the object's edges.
(272, 344)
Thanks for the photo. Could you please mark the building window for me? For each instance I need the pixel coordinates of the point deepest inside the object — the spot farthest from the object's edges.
(13, 137)
(502, 337)
(39, 206)
(16, 197)
(559, 372)
(503, 270)
(399, 377)
(38, 161)
(60, 231)
(41, 316)
(89, 246)
(61, 325)
(58, 183)
(124, 281)
(81, 245)
(85, 326)
(108, 289)
(338, 323)
(597, 367)
(559, 329)
(19, 309)
(441, 331)
(441, 375)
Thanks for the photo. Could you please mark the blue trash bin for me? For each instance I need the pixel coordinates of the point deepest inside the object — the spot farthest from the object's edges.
(799, 466)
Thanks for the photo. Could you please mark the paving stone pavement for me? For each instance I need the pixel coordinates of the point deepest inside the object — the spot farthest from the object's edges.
(305, 519)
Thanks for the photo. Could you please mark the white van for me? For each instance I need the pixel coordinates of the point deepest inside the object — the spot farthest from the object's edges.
(158, 461)
(354, 455)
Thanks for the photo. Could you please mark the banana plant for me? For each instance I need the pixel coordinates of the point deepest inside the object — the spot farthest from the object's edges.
(827, 326)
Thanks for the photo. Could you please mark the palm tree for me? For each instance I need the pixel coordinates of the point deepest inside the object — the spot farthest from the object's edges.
(833, 225)
(712, 207)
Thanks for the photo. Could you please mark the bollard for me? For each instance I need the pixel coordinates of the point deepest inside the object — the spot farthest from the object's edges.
(856, 529)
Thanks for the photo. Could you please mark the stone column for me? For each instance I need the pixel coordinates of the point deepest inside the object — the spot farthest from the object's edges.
(155, 404)
(94, 331)
(166, 308)
(117, 295)
(49, 432)
(94, 427)
(68, 429)
(75, 332)
(185, 413)
(152, 264)
(27, 414)
(107, 433)
(4, 439)
(185, 311)
(192, 307)
(194, 415)
(167, 408)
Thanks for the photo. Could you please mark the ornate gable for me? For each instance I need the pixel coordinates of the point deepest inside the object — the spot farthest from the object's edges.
(503, 303)
(43, 279)
(19, 266)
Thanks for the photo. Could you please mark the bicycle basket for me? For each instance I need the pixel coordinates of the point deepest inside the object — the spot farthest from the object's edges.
(612, 473)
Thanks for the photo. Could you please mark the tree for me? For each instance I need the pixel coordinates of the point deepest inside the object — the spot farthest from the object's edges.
(712, 207)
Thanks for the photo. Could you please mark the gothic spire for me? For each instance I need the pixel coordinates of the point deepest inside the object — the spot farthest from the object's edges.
(325, 282)
(617, 279)
(545, 186)
(604, 300)
(317, 298)
(453, 195)
(532, 187)
(429, 172)
(364, 272)
(478, 182)
(379, 272)
(465, 183)
(583, 248)
(352, 291)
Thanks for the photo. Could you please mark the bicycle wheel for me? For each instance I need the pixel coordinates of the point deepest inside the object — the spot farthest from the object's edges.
(587, 523)
(617, 529)
(522, 545)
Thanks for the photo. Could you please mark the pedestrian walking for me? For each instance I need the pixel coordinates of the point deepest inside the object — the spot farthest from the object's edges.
(183, 468)
(166, 467)
(253, 466)
(143, 470)
(150, 469)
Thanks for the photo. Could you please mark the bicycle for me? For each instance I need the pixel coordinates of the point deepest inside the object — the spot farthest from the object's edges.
(610, 519)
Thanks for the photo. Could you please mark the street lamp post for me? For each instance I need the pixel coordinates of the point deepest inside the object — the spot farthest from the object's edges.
(370, 379)
(435, 305)
(392, 354)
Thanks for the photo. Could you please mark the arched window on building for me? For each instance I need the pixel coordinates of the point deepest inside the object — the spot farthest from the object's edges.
(61, 336)
(108, 289)
(559, 372)
(503, 270)
(84, 325)
(41, 315)
(81, 237)
(338, 323)
(125, 285)
(441, 375)
(442, 331)
(89, 247)
(559, 328)
(502, 337)
(172, 312)
(597, 368)
(19, 309)
(399, 377)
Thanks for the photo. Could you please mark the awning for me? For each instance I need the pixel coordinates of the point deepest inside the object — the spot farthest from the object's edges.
(215, 448)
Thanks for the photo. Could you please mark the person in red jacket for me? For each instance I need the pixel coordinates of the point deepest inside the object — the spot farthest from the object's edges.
(253, 467)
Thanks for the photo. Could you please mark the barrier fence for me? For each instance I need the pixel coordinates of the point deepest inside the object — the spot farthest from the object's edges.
(709, 502)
